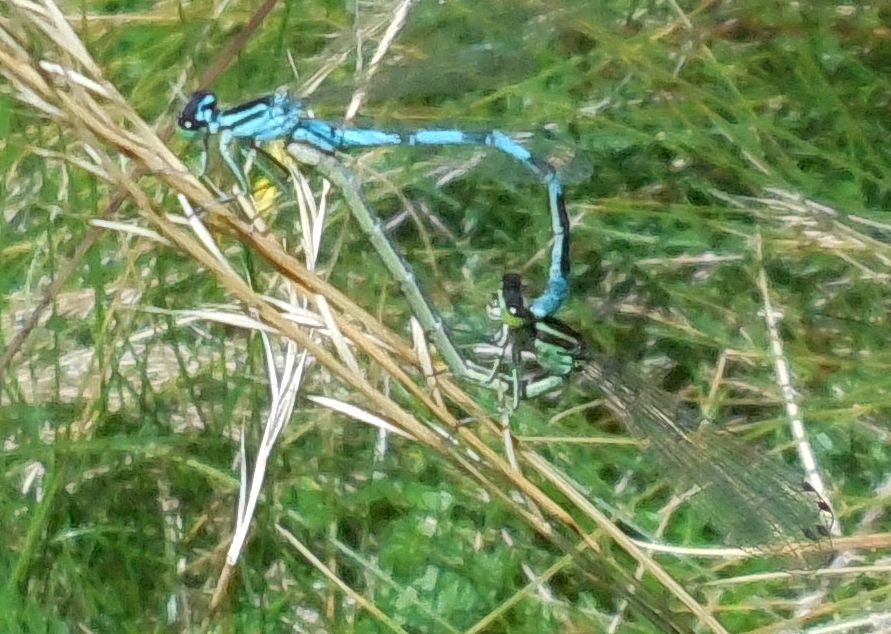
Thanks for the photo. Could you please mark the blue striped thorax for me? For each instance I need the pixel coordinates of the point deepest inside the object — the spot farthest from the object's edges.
(266, 118)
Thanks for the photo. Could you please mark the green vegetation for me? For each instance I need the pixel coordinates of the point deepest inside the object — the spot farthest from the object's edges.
(734, 147)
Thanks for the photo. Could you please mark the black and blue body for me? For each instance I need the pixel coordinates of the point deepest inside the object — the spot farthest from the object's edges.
(277, 116)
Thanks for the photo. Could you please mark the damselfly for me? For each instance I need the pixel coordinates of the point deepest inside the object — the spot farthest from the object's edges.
(755, 498)
(277, 116)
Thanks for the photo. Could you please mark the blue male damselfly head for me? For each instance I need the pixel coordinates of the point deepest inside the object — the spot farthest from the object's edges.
(198, 115)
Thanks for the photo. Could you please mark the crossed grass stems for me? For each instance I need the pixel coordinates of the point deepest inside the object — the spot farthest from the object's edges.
(530, 504)
(769, 505)
(767, 498)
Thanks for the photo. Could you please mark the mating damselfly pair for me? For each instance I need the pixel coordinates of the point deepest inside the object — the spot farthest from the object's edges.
(756, 502)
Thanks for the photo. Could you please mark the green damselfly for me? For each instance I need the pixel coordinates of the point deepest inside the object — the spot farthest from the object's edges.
(754, 498)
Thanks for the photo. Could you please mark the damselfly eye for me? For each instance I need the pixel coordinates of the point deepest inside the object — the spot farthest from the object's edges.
(198, 112)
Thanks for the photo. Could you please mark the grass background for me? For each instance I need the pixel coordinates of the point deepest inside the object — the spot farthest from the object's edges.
(710, 128)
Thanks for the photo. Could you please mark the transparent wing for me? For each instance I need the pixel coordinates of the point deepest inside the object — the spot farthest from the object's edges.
(756, 498)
